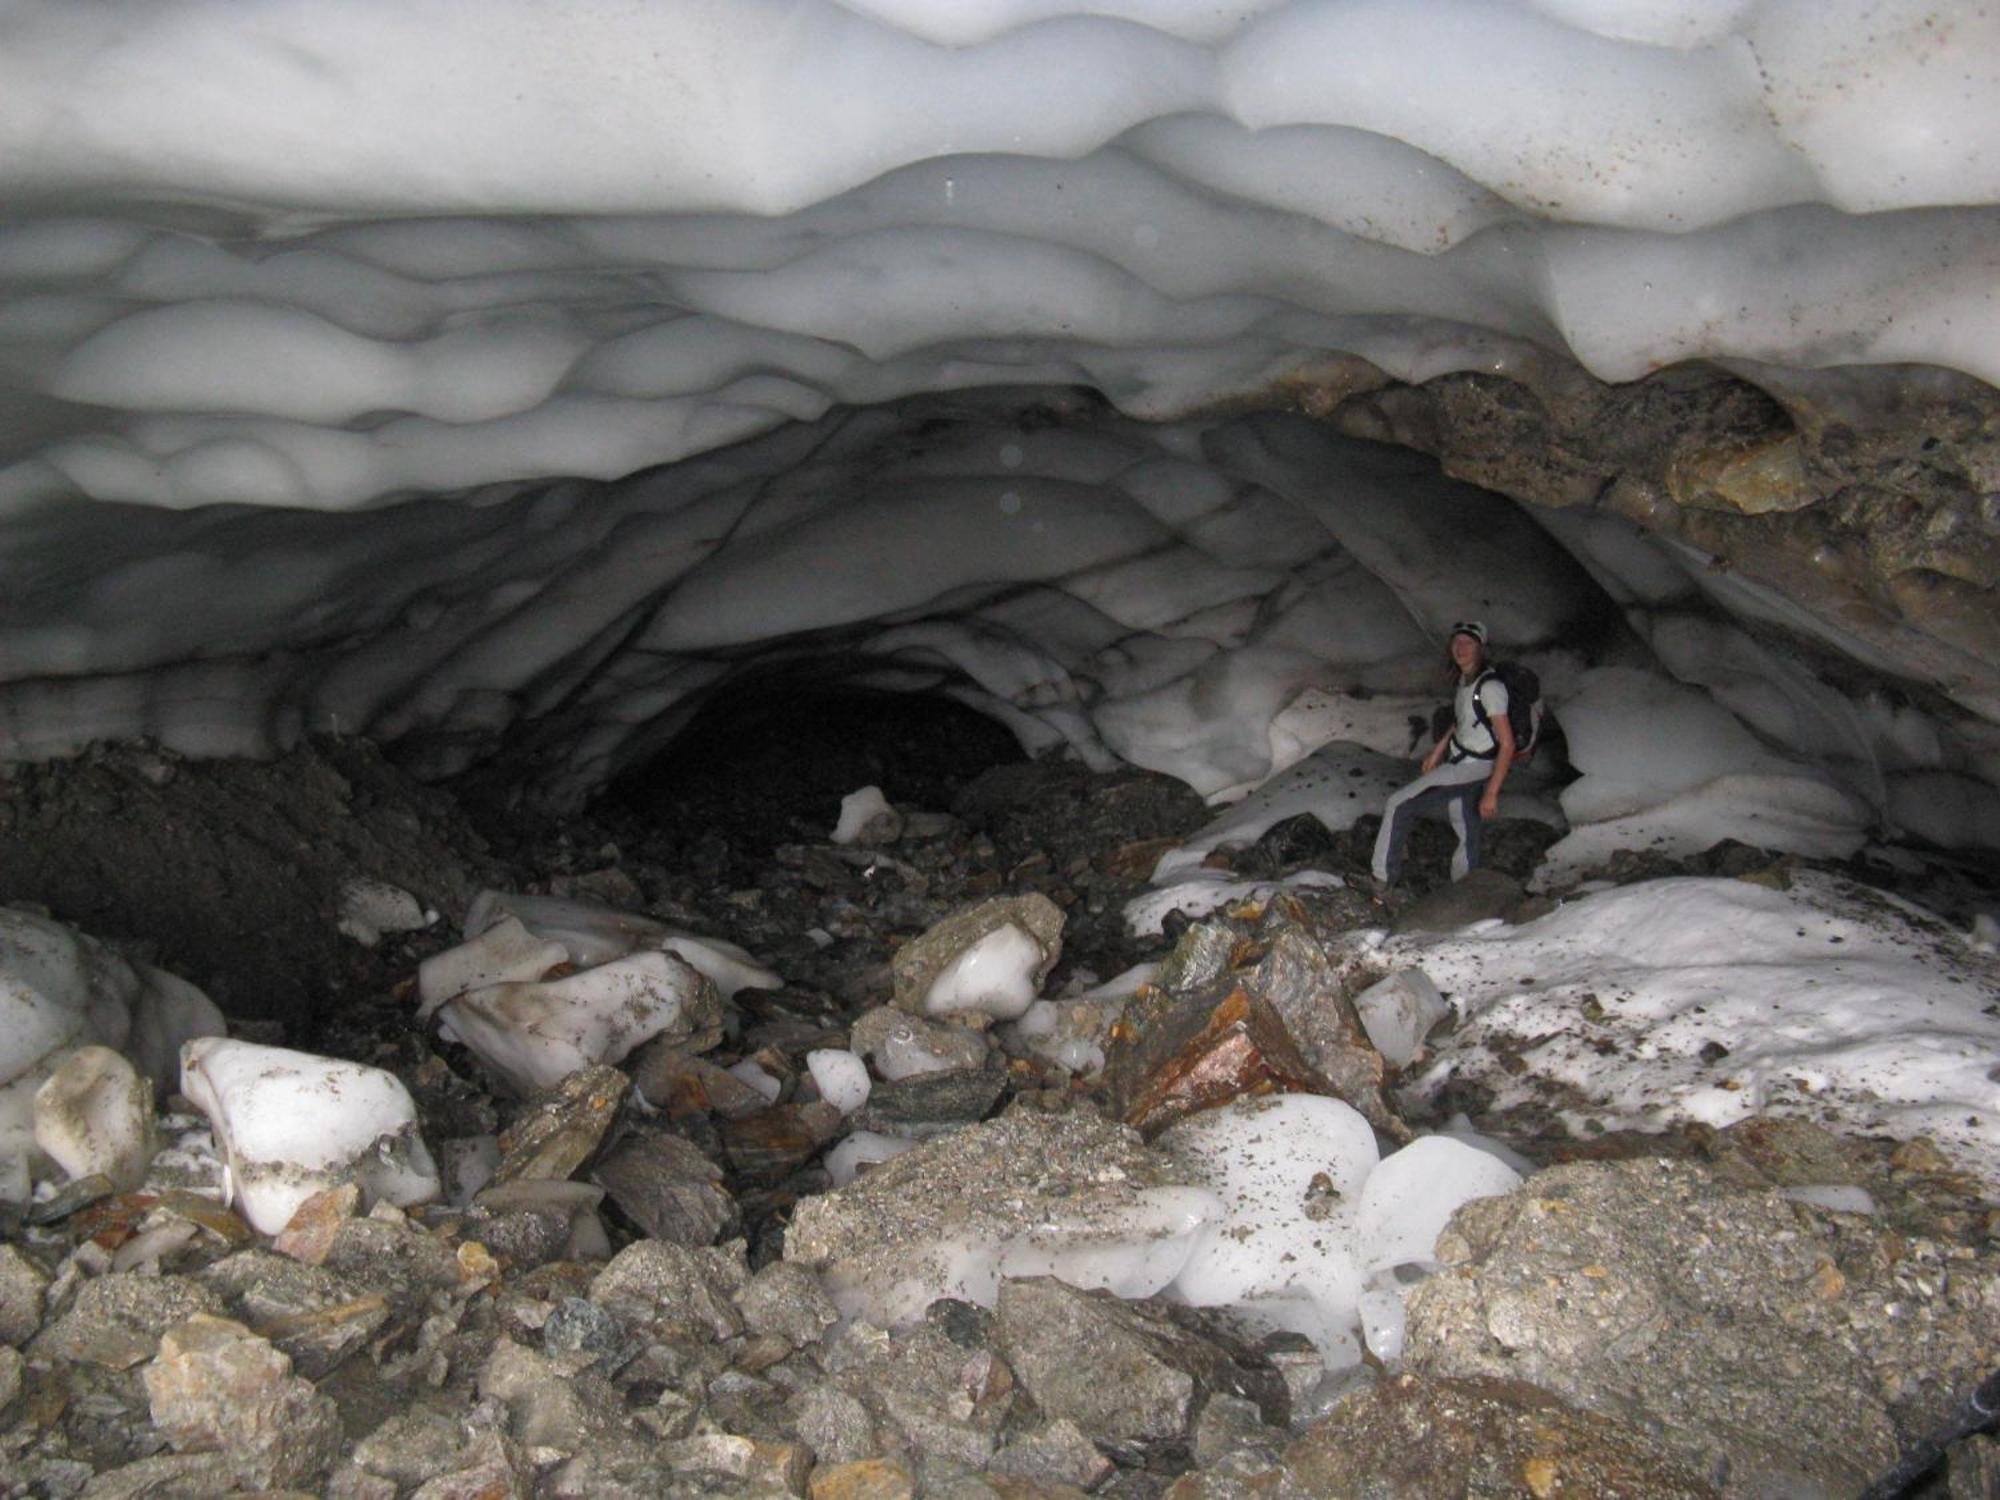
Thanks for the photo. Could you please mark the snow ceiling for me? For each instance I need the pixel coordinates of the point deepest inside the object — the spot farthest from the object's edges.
(499, 378)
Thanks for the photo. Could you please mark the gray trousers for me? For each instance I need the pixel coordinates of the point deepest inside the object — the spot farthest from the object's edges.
(1457, 785)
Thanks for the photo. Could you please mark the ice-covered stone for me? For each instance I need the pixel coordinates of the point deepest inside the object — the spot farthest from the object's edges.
(1198, 895)
(1399, 1013)
(94, 1114)
(290, 1124)
(749, 1071)
(535, 1034)
(906, 1046)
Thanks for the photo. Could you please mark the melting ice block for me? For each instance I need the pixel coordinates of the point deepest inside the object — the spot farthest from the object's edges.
(505, 953)
(842, 1077)
(1312, 1217)
(867, 818)
(61, 990)
(997, 976)
(289, 1124)
(1415, 1191)
(1399, 1012)
(94, 1114)
(864, 1148)
(1283, 1234)
(537, 1034)
(592, 933)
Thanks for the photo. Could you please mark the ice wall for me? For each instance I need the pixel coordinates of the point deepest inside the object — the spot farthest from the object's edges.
(314, 319)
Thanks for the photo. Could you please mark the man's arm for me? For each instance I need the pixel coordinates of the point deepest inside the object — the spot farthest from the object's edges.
(1503, 735)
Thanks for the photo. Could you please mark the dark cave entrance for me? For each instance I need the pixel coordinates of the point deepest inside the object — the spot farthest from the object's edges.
(767, 758)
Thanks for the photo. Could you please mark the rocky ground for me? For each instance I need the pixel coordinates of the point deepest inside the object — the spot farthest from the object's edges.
(625, 1309)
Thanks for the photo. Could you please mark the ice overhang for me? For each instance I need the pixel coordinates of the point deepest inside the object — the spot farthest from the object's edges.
(462, 377)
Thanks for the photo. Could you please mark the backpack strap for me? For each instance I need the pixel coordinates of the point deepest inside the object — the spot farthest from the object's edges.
(1487, 674)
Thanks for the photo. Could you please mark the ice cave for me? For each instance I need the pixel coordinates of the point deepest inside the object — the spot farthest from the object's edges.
(692, 694)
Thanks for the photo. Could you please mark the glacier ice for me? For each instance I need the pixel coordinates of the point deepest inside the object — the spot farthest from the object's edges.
(289, 1124)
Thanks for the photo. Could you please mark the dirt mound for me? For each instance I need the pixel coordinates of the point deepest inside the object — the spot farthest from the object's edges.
(230, 872)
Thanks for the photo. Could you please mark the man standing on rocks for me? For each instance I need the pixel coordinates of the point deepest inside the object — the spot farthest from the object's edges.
(1467, 765)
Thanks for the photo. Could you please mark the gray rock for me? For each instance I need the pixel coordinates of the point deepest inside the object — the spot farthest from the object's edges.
(165, 1476)
(217, 1387)
(885, 1243)
(116, 1320)
(835, 1423)
(931, 1103)
(548, 1406)
(786, 1301)
(347, 1482)
(315, 1316)
(1232, 1425)
(1713, 1316)
(670, 1291)
(1058, 1452)
(1129, 1376)
(919, 962)
(944, 1399)
(12, 1367)
(579, 1333)
(493, 1467)
(1974, 1469)
(534, 1220)
(748, 1406)
(666, 1186)
(881, 1034)
(1417, 1439)
(386, 1253)
(730, 1456)
(563, 1127)
(1483, 893)
(412, 1446)
(1201, 957)
(22, 1282)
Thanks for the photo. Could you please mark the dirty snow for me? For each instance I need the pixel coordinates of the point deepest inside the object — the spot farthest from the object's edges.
(1698, 1000)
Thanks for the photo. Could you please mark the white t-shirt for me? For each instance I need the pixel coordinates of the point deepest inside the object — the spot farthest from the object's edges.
(1473, 737)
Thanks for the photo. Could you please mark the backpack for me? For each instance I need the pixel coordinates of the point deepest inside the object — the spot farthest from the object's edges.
(1524, 706)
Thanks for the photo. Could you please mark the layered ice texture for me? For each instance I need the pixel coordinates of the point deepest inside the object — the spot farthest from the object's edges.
(320, 327)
